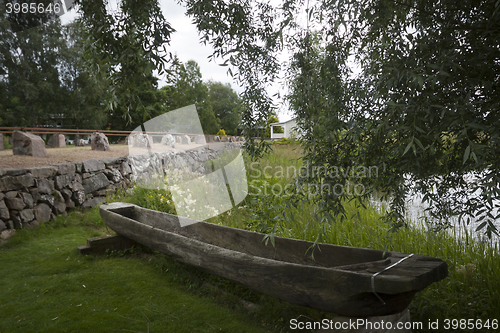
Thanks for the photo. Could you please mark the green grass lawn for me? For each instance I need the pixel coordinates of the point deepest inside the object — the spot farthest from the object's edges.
(47, 286)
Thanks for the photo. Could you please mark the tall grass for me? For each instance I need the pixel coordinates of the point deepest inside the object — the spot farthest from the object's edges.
(472, 289)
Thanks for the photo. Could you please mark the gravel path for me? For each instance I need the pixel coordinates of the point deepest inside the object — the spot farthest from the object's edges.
(59, 156)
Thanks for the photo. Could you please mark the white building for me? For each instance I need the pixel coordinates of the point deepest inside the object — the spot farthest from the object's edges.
(289, 129)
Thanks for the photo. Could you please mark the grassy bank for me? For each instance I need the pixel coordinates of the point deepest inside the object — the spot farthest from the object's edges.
(472, 289)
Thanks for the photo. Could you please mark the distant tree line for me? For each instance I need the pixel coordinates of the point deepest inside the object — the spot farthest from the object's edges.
(45, 80)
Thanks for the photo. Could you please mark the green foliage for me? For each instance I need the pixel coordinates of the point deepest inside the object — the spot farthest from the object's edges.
(285, 141)
(243, 34)
(188, 88)
(43, 82)
(474, 265)
(226, 106)
(429, 71)
(156, 199)
(471, 289)
(276, 129)
(124, 47)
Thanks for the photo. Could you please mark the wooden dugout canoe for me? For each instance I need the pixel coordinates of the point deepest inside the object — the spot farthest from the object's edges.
(344, 280)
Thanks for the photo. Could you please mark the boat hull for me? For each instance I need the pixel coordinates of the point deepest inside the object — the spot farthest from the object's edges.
(338, 280)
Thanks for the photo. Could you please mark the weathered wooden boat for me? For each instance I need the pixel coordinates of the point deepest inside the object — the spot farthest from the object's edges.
(347, 281)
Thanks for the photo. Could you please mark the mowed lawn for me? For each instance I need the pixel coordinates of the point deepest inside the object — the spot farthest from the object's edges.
(47, 286)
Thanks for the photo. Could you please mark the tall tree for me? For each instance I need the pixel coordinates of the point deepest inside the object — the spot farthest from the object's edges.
(189, 88)
(226, 106)
(424, 106)
(30, 76)
(124, 47)
(42, 77)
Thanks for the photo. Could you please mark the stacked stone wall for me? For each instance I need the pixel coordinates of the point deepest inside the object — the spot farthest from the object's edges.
(32, 196)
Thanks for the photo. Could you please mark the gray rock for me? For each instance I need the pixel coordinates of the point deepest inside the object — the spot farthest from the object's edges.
(15, 172)
(69, 204)
(125, 169)
(28, 199)
(15, 203)
(76, 186)
(113, 175)
(47, 199)
(186, 140)
(63, 181)
(99, 141)
(3, 226)
(45, 186)
(79, 167)
(26, 215)
(140, 140)
(95, 183)
(9, 183)
(2, 196)
(80, 143)
(16, 220)
(216, 138)
(9, 224)
(28, 144)
(58, 196)
(42, 212)
(64, 169)
(93, 202)
(43, 172)
(113, 161)
(66, 193)
(34, 193)
(57, 141)
(11, 194)
(168, 140)
(93, 165)
(78, 197)
(59, 207)
(31, 225)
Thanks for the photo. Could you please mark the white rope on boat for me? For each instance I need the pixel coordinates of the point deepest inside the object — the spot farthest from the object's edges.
(385, 269)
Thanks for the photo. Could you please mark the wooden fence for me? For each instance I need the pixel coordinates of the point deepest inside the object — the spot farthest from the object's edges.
(52, 130)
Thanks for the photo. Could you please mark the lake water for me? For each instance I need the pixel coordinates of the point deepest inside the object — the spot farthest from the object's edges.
(416, 212)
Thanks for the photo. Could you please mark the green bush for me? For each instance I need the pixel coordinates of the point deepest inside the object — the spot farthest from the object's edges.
(221, 132)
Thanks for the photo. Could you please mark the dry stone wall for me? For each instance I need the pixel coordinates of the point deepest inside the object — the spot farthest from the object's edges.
(31, 196)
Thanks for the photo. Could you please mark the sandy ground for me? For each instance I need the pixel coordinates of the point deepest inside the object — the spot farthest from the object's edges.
(58, 156)
(77, 154)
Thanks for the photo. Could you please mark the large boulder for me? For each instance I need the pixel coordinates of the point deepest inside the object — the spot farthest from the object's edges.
(28, 144)
(140, 140)
(185, 140)
(168, 140)
(99, 141)
(57, 141)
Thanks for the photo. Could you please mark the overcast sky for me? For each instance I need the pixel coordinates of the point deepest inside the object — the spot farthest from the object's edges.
(186, 44)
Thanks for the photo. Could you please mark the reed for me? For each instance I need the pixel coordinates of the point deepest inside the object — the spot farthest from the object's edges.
(472, 289)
